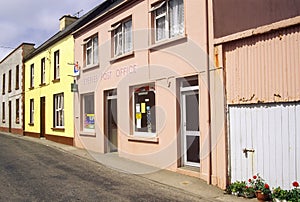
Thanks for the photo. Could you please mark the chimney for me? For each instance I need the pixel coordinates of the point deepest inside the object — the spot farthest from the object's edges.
(65, 21)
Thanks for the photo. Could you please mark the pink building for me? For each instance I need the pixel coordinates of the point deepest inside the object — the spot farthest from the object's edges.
(143, 87)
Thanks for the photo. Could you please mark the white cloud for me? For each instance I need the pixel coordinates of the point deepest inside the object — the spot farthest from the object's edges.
(35, 21)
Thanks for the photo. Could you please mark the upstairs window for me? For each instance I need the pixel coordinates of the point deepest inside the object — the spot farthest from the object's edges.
(91, 50)
(168, 18)
(3, 84)
(31, 75)
(9, 81)
(122, 37)
(43, 71)
(56, 65)
(17, 77)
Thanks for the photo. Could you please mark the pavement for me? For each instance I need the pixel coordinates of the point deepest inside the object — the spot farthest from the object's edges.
(190, 184)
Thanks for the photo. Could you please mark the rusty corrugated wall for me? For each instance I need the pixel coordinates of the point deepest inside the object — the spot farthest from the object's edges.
(264, 68)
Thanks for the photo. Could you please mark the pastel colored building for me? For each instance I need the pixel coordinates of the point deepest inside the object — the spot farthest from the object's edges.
(12, 89)
(49, 102)
(143, 88)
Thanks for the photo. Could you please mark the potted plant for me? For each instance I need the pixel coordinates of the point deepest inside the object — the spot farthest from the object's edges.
(249, 192)
(262, 189)
(236, 188)
(279, 195)
(294, 194)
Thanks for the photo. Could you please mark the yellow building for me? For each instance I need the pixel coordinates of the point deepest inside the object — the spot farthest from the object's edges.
(49, 102)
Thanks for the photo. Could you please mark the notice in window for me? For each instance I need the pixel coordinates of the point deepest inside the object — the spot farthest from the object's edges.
(143, 106)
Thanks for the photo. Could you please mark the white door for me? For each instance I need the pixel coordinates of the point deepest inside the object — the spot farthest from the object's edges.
(265, 139)
(190, 127)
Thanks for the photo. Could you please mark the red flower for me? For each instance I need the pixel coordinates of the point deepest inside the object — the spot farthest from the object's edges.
(246, 187)
(254, 177)
(267, 186)
(249, 180)
(295, 184)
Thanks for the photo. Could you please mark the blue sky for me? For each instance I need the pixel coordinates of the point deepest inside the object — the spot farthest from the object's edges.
(35, 21)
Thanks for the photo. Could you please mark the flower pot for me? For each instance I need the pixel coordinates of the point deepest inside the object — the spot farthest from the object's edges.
(261, 196)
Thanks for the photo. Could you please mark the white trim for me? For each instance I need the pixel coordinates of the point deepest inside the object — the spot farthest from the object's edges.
(114, 27)
(157, 6)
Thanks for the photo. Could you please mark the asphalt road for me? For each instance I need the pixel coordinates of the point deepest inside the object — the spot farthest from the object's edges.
(34, 172)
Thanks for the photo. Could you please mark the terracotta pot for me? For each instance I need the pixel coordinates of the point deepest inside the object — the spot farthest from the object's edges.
(261, 196)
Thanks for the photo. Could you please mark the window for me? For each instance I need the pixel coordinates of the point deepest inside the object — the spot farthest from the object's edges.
(17, 77)
(56, 65)
(3, 112)
(168, 18)
(122, 34)
(3, 84)
(91, 50)
(43, 71)
(31, 75)
(17, 110)
(59, 110)
(31, 111)
(88, 111)
(144, 111)
(9, 81)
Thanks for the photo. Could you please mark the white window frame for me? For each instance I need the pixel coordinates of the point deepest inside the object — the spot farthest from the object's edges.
(56, 65)
(146, 134)
(92, 50)
(31, 75)
(167, 15)
(31, 118)
(90, 128)
(59, 117)
(43, 71)
(122, 38)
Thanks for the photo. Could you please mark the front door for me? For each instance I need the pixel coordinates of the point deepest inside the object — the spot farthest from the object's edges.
(190, 126)
(43, 116)
(112, 121)
(9, 116)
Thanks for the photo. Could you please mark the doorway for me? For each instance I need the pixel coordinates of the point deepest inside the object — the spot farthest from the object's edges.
(42, 116)
(9, 116)
(190, 123)
(111, 121)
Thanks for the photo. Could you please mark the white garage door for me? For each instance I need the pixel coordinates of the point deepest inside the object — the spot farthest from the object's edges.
(265, 139)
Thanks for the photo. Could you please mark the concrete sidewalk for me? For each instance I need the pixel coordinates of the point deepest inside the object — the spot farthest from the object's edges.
(112, 160)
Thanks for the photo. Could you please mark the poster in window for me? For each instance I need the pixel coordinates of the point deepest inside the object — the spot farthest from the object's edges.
(89, 122)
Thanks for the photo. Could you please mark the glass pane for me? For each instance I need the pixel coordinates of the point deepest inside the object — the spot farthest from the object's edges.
(192, 112)
(193, 149)
(176, 14)
(95, 48)
(89, 116)
(128, 36)
(160, 28)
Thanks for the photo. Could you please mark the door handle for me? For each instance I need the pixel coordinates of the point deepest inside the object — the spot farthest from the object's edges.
(245, 151)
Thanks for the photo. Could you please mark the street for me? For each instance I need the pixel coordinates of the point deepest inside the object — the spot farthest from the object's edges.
(34, 172)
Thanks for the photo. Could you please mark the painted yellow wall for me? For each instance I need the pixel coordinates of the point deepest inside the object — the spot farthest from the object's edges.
(66, 55)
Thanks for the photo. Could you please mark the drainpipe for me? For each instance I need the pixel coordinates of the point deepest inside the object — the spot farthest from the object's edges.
(209, 47)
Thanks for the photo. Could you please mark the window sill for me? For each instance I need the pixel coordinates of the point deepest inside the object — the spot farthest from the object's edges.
(55, 80)
(167, 42)
(125, 55)
(153, 140)
(17, 88)
(58, 129)
(89, 67)
(3, 93)
(17, 122)
(31, 88)
(3, 121)
(9, 91)
(42, 84)
(31, 124)
(87, 134)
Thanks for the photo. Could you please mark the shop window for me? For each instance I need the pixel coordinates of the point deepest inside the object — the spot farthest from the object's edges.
(168, 19)
(59, 110)
(31, 121)
(122, 37)
(144, 111)
(17, 111)
(3, 112)
(88, 113)
(31, 75)
(91, 50)
(43, 71)
(56, 65)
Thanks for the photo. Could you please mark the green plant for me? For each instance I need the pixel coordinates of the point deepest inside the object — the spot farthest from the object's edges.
(279, 193)
(249, 192)
(258, 183)
(237, 187)
(294, 194)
